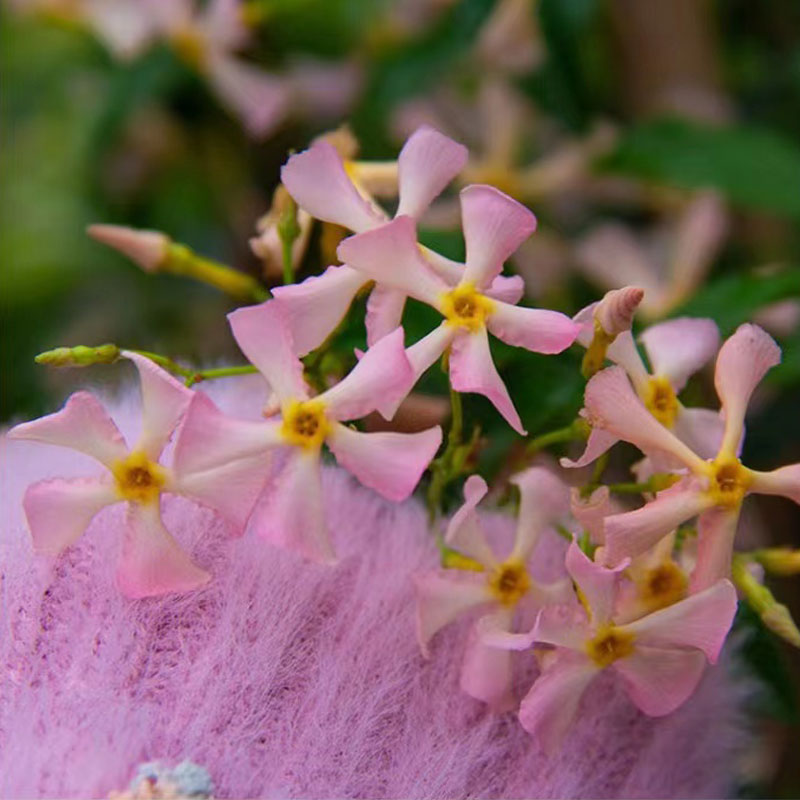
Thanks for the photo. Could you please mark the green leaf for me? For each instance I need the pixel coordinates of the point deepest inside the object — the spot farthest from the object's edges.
(732, 300)
(753, 167)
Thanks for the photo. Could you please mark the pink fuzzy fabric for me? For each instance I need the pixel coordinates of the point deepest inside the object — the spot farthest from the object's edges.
(289, 679)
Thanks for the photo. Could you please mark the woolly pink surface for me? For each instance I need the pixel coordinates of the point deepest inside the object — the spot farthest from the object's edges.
(288, 679)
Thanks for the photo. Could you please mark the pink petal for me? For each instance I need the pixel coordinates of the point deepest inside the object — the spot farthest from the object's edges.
(384, 312)
(231, 489)
(152, 562)
(701, 230)
(701, 620)
(612, 405)
(507, 289)
(597, 583)
(428, 161)
(630, 534)
(544, 499)
(612, 257)
(317, 180)
(59, 511)
(390, 255)
(258, 98)
(390, 463)
(622, 351)
(209, 439)
(472, 370)
(443, 597)
(660, 680)
(552, 703)
(598, 443)
(464, 531)
(535, 329)
(784, 481)
(83, 424)
(495, 225)
(716, 530)
(428, 349)
(263, 334)
(293, 517)
(381, 379)
(701, 429)
(564, 625)
(164, 402)
(222, 20)
(486, 671)
(316, 306)
(742, 362)
(680, 347)
(591, 512)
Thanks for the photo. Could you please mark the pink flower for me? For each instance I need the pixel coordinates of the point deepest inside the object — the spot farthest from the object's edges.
(206, 39)
(322, 185)
(58, 511)
(660, 657)
(504, 588)
(675, 350)
(293, 516)
(611, 255)
(319, 181)
(494, 226)
(714, 488)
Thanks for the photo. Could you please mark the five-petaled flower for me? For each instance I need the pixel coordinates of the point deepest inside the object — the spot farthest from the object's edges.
(714, 488)
(676, 350)
(321, 184)
(59, 510)
(504, 587)
(293, 516)
(494, 226)
(660, 657)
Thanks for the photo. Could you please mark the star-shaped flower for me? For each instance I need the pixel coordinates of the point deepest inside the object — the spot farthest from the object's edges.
(321, 184)
(713, 488)
(494, 226)
(293, 516)
(59, 510)
(659, 657)
(503, 587)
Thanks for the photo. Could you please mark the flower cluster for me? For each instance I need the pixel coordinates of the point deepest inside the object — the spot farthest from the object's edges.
(638, 592)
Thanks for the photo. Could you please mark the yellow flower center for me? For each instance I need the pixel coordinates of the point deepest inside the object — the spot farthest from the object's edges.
(190, 47)
(139, 479)
(662, 586)
(609, 644)
(509, 582)
(466, 307)
(305, 423)
(729, 482)
(661, 401)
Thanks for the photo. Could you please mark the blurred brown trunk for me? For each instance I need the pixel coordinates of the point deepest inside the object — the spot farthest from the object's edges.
(668, 51)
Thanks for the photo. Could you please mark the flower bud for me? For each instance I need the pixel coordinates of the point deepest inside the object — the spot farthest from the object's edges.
(779, 560)
(80, 356)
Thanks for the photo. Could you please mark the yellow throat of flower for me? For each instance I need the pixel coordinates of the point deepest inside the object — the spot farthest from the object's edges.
(729, 482)
(305, 423)
(190, 47)
(609, 644)
(660, 400)
(139, 479)
(466, 307)
(509, 582)
(662, 586)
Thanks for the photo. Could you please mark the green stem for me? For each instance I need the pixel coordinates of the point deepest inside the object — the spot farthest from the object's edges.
(576, 431)
(288, 232)
(448, 466)
(193, 376)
